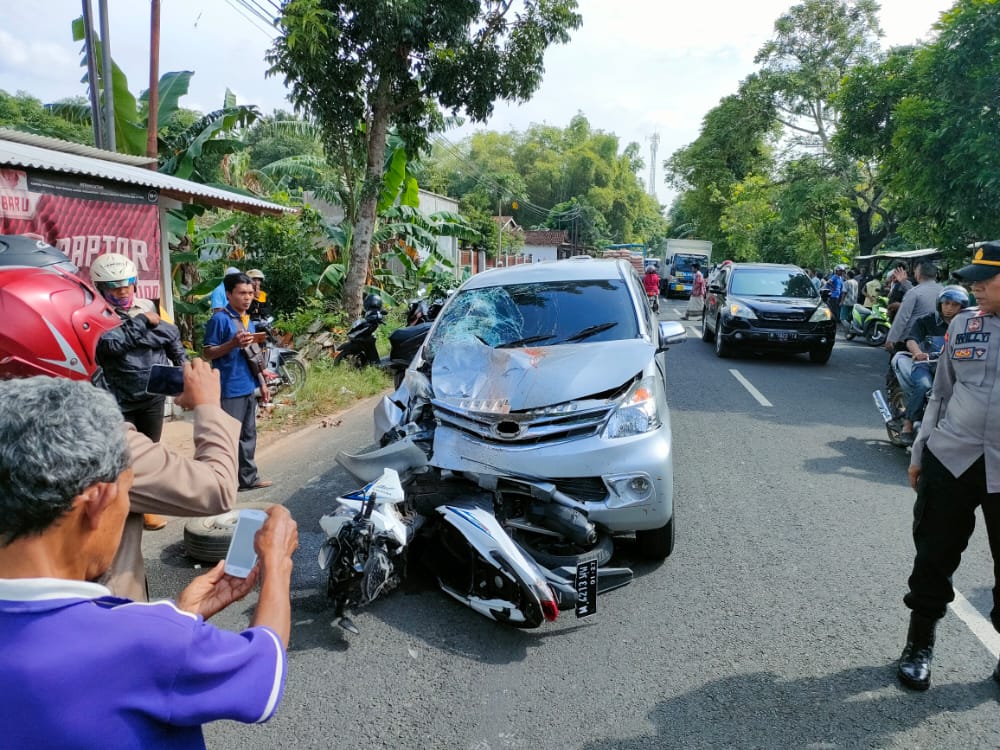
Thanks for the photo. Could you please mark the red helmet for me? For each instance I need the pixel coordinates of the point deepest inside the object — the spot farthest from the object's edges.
(51, 323)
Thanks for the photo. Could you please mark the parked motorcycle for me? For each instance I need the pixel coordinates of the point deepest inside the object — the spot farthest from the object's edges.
(872, 323)
(284, 364)
(371, 534)
(359, 350)
(405, 342)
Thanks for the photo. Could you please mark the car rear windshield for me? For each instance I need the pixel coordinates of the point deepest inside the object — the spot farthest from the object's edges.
(541, 314)
(771, 282)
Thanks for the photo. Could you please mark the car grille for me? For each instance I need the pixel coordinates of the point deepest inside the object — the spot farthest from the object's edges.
(783, 317)
(524, 428)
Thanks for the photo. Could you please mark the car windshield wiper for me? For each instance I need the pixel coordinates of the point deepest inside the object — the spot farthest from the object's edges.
(527, 340)
(591, 330)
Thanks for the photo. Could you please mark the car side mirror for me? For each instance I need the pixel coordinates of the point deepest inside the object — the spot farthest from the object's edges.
(714, 288)
(671, 332)
(824, 294)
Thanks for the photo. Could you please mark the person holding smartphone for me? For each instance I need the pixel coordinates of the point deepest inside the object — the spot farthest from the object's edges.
(127, 352)
(115, 673)
(227, 333)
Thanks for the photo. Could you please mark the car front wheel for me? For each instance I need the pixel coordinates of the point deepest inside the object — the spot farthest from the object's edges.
(722, 349)
(820, 356)
(656, 544)
(706, 334)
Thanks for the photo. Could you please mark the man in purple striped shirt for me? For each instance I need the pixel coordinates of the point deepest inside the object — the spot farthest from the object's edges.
(80, 668)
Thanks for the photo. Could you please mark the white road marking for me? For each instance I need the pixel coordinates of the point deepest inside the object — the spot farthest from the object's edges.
(750, 389)
(694, 332)
(979, 625)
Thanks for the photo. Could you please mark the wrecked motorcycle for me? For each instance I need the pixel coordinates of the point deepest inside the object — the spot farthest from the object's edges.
(371, 535)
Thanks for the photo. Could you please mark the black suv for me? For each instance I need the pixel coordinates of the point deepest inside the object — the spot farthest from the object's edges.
(767, 307)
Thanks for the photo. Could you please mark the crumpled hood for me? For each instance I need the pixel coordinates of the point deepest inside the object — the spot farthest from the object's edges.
(536, 376)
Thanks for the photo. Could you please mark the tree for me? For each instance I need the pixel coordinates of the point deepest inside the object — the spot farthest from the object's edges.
(945, 129)
(361, 66)
(23, 112)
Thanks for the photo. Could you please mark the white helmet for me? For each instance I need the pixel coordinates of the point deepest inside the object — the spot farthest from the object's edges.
(112, 270)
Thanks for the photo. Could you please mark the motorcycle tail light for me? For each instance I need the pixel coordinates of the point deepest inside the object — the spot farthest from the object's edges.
(550, 611)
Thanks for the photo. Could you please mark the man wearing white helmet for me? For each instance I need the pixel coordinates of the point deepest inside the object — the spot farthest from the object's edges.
(127, 352)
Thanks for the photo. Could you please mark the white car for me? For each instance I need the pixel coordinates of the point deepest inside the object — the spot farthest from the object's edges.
(555, 372)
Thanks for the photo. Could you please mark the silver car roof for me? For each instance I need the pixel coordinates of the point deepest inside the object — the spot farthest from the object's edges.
(573, 269)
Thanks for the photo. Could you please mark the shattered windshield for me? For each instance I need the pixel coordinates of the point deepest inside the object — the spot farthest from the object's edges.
(541, 314)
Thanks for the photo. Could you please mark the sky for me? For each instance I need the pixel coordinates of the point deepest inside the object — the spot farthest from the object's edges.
(634, 68)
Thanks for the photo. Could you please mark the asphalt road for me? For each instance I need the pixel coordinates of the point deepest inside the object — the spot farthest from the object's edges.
(775, 623)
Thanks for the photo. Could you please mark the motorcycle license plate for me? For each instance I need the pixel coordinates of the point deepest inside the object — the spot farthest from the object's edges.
(586, 588)
(782, 335)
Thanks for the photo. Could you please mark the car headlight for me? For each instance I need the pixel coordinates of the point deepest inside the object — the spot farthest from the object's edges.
(638, 413)
(739, 310)
(821, 314)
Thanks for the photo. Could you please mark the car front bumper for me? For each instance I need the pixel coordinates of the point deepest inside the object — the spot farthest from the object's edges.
(809, 337)
(622, 464)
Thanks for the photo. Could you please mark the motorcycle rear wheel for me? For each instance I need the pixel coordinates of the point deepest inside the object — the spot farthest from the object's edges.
(897, 402)
(875, 334)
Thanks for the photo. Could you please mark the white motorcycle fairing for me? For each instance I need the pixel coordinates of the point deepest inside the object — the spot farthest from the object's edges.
(388, 492)
(481, 530)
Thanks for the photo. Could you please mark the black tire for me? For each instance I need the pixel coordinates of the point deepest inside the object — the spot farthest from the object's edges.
(875, 334)
(656, 544)
(207, 539)
(706, 335)
(552, 552)
(820, 356)
(351, 358)
(293, 373)
(897, 403)
(722, 349)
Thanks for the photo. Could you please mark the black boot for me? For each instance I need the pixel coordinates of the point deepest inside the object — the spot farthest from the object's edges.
(914, 669)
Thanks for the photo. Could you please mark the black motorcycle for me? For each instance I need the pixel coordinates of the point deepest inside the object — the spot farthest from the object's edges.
(282, 362)
(359, 350)
(404, 343)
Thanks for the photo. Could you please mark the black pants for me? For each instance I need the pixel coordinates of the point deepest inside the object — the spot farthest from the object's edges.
(244, 410)
(147, 417)
(944, 517)
(834, 304)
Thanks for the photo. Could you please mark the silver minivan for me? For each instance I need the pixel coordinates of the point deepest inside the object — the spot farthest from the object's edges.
(555, 371)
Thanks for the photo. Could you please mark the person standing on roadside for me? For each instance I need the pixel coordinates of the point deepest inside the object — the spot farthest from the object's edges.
(228, 331)
(955, 466)
(128, 352)
(260, 309)
(835, 285)
(850, 298)
(218, 297)
(696, 302)
(919, 301)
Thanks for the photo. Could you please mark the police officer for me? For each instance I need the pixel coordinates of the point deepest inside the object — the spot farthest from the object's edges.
(955, 465)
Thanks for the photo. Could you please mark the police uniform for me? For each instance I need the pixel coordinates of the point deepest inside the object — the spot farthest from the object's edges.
(959, 462)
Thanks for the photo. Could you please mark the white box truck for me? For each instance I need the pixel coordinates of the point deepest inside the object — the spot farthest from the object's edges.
(676, 270)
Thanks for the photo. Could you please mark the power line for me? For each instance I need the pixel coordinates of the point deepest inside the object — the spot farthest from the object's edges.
(234, 4)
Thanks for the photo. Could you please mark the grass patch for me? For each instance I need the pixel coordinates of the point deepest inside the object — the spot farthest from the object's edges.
(327, 390)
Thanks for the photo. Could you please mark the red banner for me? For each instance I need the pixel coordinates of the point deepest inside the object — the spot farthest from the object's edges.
(85, 218)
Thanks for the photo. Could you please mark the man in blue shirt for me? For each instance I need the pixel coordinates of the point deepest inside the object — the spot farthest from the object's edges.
(228, 331)
(836, 286)
(80, 668)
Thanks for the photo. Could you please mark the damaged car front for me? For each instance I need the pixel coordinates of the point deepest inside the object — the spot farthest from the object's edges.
(555, 372)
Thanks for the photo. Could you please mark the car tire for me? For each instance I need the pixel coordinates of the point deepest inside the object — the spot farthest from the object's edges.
(820, 356)
(706, 335)
(207, 539)
(563, 553)
(656, 544)
(722, 349)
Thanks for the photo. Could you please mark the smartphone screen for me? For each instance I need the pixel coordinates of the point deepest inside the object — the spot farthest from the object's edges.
(241, 556)
(165, 380)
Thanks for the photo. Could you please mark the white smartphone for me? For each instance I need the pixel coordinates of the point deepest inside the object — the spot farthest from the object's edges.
(241, 556)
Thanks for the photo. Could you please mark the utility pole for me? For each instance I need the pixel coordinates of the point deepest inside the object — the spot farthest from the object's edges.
(154, 80)
(109, 97)
(95, 101)
(499, 230)
(654, 144)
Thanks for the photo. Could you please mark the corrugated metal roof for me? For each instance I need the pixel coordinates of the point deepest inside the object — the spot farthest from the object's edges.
(20, 154)
(68, 147)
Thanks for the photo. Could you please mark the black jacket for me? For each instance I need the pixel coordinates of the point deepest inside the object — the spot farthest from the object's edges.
(127, 352)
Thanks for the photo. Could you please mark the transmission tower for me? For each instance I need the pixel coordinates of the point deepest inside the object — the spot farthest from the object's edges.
(654, 142)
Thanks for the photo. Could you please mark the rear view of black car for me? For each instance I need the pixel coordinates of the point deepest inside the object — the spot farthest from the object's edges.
(767, 307)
